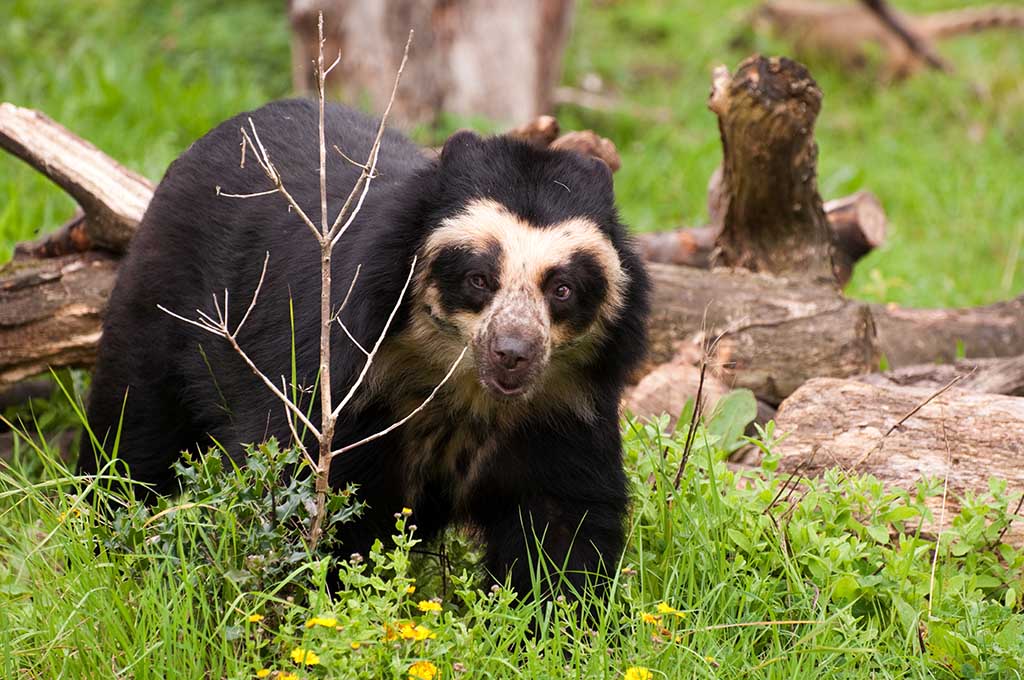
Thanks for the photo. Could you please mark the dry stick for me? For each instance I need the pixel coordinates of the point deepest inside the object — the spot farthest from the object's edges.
(910, 414)
(327, 236)
(942, 520)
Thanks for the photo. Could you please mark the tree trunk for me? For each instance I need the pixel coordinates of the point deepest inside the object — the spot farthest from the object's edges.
(773, 219)
(969, 436)
(488, 58)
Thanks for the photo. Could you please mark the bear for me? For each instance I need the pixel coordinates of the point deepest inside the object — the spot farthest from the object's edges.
(521, 262)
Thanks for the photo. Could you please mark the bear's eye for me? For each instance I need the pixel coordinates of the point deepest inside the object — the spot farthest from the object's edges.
(478, 280)
(563, 292)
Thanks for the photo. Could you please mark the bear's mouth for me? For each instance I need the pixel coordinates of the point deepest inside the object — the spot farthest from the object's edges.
(504, 388)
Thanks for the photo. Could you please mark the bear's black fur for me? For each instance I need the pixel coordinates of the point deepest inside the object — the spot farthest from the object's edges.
(554, 473)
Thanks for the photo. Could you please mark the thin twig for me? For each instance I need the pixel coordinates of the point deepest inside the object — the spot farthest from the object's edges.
(380, 340)
(942, 520)
(368, 174)
(412, 413)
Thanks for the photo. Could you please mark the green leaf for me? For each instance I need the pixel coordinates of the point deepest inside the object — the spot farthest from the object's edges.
(732, 414)
(879, 533)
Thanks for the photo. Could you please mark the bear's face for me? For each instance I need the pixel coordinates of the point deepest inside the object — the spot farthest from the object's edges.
(524, 297)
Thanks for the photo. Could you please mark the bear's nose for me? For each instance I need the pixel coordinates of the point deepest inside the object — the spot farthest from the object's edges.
(512, 352)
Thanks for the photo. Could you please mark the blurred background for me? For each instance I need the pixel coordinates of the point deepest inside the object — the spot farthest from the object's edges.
(943, 151)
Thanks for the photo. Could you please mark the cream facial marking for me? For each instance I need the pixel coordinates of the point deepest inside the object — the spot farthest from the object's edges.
(529, 252)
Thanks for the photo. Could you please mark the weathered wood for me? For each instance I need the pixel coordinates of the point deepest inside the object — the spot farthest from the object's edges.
(776, 333)
(853, 425)
(858, 225)
(113, 197)
(995, 376)
(773, 219)
(919, 336)
(50, 312)
(500, 60)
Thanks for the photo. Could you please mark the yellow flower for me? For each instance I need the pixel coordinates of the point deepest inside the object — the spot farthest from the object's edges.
(256, 618)
(428, 606)
(355, 645)
(711, 660)
(308, 657)
(406, 511)
(286, 676)
(410, 590)
(407, 631)
(263, 672)
(638, 673)
(665, 608)
(422, 670)
(649, 618)
(326, 622)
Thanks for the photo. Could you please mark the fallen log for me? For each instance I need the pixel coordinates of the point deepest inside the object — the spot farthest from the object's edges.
(51, 311)
(858, 224)
(112, 197)
(848, 31)
(775, 333)
(995, 376)
(901, 434)
(918, 336)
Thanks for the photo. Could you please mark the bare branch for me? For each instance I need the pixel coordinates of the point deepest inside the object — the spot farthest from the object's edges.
(350, 337)
(257, 194)
(255, 295)
(367, 175)
(295, 435)
(412, 413)
(351, 286)
(376, 346)
(353, 161)
(204, 325)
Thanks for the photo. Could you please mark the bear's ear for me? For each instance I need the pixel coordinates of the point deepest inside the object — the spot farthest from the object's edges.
(460, 144)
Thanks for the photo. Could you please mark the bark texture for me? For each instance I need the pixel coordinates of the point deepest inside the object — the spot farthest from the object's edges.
(775, 333)
(855, 426)
(488, 58)
(51, 311)
(995, 376)
(773, 219)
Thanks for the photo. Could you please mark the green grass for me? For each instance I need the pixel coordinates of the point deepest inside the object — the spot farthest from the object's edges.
(727, 576)
(944, 153)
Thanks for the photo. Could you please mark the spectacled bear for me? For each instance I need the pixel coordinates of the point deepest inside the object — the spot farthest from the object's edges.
(520, 255)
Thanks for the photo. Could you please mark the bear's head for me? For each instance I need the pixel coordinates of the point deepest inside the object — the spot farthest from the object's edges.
(526, 263)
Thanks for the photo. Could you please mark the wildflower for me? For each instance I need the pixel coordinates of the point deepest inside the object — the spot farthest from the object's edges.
(711, 660)
(355, 645)
(406, 511)
(255, 618)
(628, 571)
(649, 618)
(422, 670)
(638, 673)
(665, 608)
(286, 676)
(428, 606)
(410, 590)
(306, 656)
(418, 632)
(263, 672)
(326, 622)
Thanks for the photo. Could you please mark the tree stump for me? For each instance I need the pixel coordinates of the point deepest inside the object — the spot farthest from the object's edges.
(773, 218)
(488, 58)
